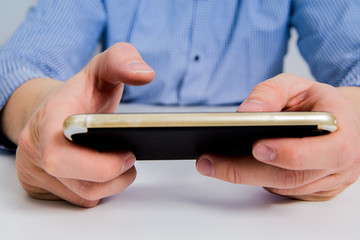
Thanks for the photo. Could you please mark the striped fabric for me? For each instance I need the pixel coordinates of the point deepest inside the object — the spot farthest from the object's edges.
(206, 52)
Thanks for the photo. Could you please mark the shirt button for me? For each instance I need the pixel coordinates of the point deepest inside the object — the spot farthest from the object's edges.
(196, 58)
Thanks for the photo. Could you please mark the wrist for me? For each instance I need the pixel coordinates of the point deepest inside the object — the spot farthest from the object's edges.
(22, 104)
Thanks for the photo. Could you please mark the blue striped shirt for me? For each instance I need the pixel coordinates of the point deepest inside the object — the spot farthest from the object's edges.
(206, 52)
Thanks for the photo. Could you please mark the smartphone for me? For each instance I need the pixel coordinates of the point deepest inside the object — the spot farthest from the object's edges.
(159, 136)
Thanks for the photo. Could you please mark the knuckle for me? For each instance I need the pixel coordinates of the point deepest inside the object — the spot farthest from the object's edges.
(23, 139)
(23, 172)
(283, 192)
(109, 170)
(105, 70)
(293, 159)
(269, 87)
(288, 179)
(126, 49)
(50, 162)
(337, 177)
(89, 190)
(25, 145)
(87, 203)
(26, 152)
(234, 175)
(347, 156)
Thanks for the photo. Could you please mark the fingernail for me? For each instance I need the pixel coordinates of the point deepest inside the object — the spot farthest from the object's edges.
(139, 67)
(129, 162)
(205, 167)
(263, 153)
(251, 106)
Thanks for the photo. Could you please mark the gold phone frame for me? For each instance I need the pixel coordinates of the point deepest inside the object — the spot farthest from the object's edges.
(82, 122)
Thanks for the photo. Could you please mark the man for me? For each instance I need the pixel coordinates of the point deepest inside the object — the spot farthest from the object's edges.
(204, 52)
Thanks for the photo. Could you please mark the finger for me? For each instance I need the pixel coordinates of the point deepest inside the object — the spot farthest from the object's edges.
(337, 150)
(275, 94)
(63, 159)
(248, 171)
(81, 193)
(307, 153)
(93, 191)
(40, 185)
(326, 186)
(121, 63)
(99, 86)
(317, 196)
(57, 191)
(304, 153)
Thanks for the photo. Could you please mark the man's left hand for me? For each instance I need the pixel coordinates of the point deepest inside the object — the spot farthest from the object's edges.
(310, 168)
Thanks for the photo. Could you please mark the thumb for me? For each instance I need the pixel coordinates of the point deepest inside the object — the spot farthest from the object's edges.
(275, 94)
(121, 63)
(100, 84)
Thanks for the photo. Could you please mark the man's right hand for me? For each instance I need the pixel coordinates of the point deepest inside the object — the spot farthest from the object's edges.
(48, 165)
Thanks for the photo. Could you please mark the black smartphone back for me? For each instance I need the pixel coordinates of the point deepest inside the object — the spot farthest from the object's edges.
(187, 135)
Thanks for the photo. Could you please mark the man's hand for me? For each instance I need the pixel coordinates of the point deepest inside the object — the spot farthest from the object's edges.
(49, 166)
(311, 168)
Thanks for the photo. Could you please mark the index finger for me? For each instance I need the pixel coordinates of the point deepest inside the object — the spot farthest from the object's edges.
(321, 152)
(63, 159)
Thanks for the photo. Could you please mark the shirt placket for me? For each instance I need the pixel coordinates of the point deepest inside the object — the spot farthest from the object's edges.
(196, 78)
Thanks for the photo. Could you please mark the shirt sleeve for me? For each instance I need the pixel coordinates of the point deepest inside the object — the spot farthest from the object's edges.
(56, 39)
(329, 39)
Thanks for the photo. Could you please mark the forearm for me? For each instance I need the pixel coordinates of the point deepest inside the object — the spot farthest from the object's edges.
(23, 103)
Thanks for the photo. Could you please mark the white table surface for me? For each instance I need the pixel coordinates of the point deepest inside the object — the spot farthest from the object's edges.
(170, 200)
